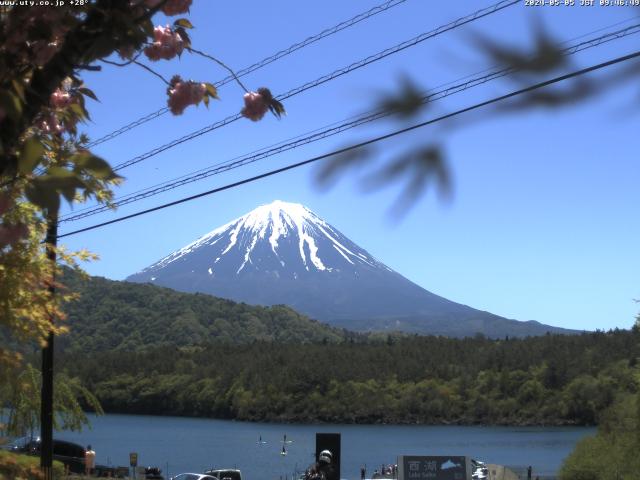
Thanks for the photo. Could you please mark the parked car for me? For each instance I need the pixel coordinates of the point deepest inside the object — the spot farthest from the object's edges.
(69, 453)
(193, 476)
(225, 474)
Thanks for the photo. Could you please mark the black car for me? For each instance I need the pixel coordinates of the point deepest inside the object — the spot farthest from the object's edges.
(69, 453)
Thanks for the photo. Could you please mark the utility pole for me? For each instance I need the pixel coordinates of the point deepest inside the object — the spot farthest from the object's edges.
(46, 400)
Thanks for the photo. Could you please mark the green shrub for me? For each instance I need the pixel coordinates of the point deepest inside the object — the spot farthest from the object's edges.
(24, 467)
(612, 454)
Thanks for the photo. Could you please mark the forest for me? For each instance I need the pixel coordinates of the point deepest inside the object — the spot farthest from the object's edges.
(548, 380)
(112, 315)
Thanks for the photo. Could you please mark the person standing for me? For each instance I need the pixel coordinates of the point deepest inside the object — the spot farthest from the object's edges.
(323, 469)
(89, 460)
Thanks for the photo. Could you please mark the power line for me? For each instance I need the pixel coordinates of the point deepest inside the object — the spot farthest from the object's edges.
(333, 129)
(331, 76)
(365, 143)
(265, 61)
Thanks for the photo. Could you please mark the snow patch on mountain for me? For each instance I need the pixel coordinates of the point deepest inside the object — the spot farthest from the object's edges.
(274, 223)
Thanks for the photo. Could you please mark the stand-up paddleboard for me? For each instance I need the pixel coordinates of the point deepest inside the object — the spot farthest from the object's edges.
(284, 451)
(260, 441)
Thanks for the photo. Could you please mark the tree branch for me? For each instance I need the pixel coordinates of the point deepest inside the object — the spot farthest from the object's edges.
(149, 69)
(206, 55)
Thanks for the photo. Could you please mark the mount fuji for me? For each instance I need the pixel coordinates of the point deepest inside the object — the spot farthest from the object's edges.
(283, 253)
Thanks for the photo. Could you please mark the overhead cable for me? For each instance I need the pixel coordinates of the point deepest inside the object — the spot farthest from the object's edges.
(333, 129)
(476, 106)
(265, 61)
(326, 78)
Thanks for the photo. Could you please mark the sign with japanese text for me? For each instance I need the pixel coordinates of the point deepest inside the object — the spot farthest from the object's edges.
(433, 468)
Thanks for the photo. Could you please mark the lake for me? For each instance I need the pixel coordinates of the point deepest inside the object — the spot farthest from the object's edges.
(178, 444)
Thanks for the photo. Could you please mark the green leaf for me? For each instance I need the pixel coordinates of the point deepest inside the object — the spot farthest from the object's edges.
(277, 108)
(185, 36)
(18, 87)
(96, 166)
(60, 183)
(147, 27)
(11, 104)
(69, 193)
(212, 90)
(80, 112)
(30, 155)
(43, 196)
(183, 22)
(88, 93)
(61, 180)
(58, 173)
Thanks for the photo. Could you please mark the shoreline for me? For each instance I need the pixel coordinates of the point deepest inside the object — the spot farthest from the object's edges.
(339, 421)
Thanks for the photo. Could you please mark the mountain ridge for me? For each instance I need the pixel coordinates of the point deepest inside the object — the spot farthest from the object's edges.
(112, 315)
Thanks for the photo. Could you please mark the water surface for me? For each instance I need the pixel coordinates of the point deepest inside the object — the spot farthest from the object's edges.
(178, 444)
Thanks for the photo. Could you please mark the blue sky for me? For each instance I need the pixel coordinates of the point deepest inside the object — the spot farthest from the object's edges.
(542, 223)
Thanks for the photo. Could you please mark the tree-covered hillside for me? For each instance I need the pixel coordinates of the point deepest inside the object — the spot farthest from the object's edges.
(112, 315)
(552, 379)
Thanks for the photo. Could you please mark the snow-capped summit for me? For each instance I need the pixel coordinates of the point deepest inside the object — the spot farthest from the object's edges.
(283, 253)
(286, 228)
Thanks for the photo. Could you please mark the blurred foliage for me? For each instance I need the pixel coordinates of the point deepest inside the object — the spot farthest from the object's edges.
(28, 311)
(418, 167)
(20, 397)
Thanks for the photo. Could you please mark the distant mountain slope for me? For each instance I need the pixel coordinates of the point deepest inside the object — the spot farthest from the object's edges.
(114, 315)
(283, 253)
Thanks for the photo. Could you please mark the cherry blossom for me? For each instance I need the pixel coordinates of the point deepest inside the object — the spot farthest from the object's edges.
(61, 99)
(255, 106)
(167, 44)
(175, 7)
(50, 124)
(182, 94)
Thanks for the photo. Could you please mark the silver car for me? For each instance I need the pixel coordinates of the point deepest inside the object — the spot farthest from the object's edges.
(193, 476)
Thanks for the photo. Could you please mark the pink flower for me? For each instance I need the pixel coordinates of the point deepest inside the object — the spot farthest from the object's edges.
(167, 44)
(182, 94)
(172, 7)
(10, 234)
(60, 99)
(50, 124)
(255, 106)
(175, 7)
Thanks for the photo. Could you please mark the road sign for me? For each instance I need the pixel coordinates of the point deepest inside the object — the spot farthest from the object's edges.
(133, 459)
(434, 468)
